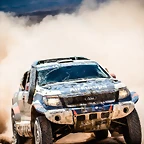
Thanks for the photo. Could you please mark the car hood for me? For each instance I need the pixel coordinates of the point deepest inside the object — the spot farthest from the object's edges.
(80, 87)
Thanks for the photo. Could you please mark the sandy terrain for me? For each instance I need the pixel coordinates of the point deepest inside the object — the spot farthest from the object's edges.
(76, 139)
(113, 35)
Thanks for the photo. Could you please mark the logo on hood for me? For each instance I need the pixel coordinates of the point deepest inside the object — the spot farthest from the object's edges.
(89, 98)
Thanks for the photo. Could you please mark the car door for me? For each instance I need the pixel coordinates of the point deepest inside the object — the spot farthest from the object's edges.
(20, 105)
(25, 106)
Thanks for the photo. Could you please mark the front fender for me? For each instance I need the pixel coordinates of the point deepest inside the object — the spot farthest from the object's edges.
(39, 107)
(134, 96)
(38, 104)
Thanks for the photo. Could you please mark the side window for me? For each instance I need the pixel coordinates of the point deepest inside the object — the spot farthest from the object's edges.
(27, 81)
(24, 81)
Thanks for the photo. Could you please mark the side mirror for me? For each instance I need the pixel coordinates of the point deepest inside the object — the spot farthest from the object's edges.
(113, 75)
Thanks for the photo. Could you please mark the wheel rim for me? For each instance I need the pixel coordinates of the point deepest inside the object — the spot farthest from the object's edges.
(37, 133)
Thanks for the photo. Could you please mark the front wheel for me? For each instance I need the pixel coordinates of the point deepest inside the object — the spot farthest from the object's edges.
(42, 131)
(101, 134)
(132, 130)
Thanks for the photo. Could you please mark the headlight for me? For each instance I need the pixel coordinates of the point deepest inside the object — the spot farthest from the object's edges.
(123, 93)
(52, 101)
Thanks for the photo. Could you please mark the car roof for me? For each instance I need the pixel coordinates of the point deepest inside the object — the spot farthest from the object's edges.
(58, 59)
(55, 62)
(64, 63)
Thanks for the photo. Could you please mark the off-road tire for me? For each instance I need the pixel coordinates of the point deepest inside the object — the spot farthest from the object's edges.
(45, 131)
(132, 132)
(101, 134)
(16, 137)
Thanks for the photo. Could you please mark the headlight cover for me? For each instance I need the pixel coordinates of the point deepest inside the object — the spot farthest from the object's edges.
(52, 101)
(123, 93)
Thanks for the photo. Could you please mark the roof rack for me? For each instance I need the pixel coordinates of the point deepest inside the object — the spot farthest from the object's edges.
(57, 59)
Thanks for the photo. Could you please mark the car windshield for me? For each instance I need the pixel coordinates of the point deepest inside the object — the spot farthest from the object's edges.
(68, 73)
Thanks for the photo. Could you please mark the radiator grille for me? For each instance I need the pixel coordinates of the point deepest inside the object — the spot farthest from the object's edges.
(90, 99)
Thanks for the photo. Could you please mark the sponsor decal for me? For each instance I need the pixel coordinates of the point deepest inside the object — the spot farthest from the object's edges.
(99, 108)
(88, 88)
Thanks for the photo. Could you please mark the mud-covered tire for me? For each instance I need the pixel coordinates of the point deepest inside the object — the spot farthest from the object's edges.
(132, 132)
(16, 137)
(101, 134)
(42, 131)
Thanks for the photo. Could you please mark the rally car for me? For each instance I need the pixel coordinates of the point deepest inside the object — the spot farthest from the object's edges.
(73, 94)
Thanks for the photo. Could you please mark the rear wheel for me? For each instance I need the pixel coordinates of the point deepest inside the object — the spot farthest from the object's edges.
(101, 134)
(42, 131)
(132, 130)
(16, 137)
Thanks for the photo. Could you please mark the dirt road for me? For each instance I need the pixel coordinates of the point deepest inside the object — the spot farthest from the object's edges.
(82, 138)
(79, 138)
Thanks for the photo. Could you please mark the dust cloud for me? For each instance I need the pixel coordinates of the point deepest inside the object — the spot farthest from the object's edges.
(112, 34)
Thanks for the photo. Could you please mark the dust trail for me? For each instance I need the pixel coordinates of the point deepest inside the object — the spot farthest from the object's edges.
(3, 118)
(112, 35)
(5, 140)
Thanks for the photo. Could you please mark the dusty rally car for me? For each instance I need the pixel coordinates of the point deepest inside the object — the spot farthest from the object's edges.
(68, 95)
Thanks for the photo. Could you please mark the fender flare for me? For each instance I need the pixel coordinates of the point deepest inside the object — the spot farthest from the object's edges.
(16, 112)
(39, 107)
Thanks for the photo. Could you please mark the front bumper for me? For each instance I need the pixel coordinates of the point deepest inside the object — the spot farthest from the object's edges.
(71, 116)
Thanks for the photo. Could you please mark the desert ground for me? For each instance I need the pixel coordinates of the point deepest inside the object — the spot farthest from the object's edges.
(76, 139)
(112, 34)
